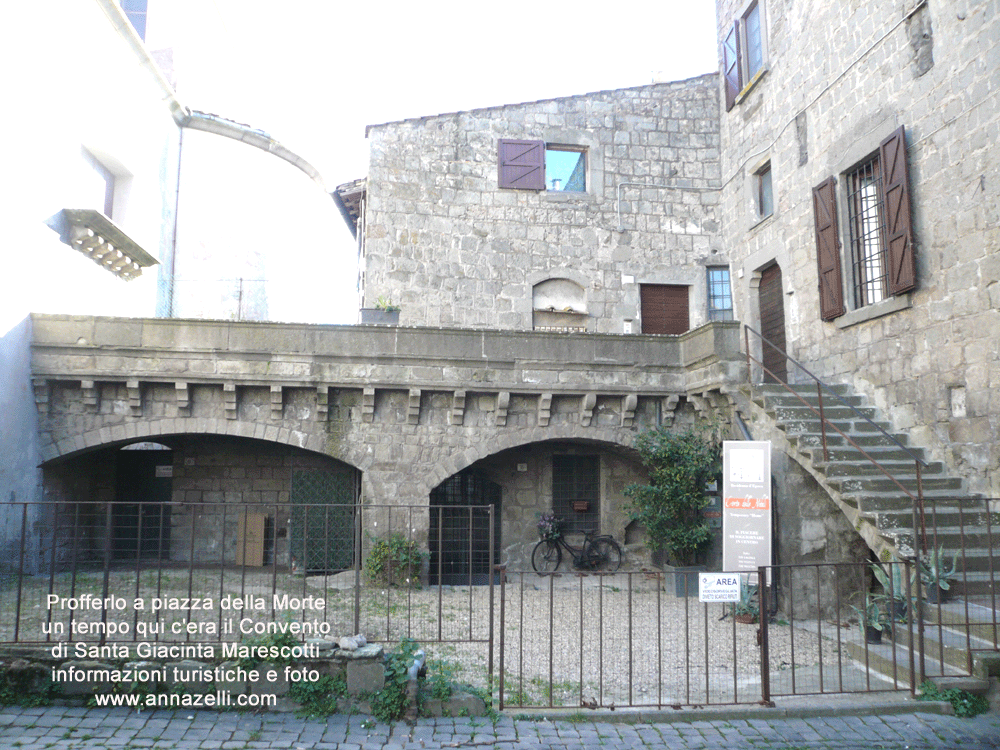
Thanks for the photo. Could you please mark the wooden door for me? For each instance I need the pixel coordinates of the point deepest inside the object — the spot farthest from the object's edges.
(250, 540)
(664, 308)
(772, 325)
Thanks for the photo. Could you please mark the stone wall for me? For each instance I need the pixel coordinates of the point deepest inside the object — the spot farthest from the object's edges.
(839, 78)
(453, 249)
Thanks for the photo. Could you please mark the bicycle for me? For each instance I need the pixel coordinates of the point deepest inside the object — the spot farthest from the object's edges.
(598, 553)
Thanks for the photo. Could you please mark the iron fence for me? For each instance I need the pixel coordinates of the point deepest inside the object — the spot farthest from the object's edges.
(194, 573)
(216, 572)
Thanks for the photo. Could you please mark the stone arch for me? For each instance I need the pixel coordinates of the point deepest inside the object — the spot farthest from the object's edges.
(147, 429)
(620, 438)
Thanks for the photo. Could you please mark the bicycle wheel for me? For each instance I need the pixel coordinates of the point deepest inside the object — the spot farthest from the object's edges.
(606, 554)
(546, 556)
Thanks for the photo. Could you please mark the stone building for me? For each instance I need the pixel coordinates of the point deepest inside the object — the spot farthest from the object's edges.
(859, 205)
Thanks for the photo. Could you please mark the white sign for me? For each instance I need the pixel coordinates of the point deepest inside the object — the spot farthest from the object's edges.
(719, 587)
(746, 504)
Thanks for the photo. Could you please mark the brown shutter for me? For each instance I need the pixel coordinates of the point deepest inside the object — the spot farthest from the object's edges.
(831, 290)
(664, 308)
(522, 164)
(731, 65)
(901, 261)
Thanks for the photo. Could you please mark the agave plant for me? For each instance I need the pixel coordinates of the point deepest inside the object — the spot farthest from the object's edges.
(935, 572)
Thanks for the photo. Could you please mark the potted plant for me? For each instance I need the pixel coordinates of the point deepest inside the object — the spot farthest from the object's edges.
(936, 575)
(680, 465)
(747, 609)
(893, 587)
(871, 618)
(385, 313)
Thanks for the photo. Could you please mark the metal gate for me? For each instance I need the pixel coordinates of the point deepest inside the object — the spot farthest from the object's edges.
(321, 524)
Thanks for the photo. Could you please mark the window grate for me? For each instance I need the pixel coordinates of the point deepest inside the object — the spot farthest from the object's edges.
(576, 491)
(866, 220)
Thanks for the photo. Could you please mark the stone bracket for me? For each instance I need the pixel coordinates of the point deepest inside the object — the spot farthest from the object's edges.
(277, 402)
(229, 398)
(368, 405)
(629, 404)
(322, 403)
(457, 414)
(413, 407)
(91, 394)
(544, 409)
(134, 397)
(587, 404)
(668, 408)
(183, 399)
(503, 404)
(42, 395)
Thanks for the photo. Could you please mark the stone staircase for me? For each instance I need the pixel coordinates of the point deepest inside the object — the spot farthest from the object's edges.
(959, 638)
(874, 503)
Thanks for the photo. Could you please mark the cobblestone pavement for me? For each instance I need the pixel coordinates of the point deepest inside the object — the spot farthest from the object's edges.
(64, 728)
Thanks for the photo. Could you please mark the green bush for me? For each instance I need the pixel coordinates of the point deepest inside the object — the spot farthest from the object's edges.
(389, 704)
(965, 703)
(680, 465)
(318, 698)
(394, 561)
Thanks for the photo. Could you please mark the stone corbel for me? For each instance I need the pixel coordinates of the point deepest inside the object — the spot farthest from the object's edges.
(668, 409)
(629, 403)
(43, 393)
(322, 403)
(503, 404)
(413, 407)
(368, 405)
(182, 397)
(134, 397)
(587, 404)
(544, 409)
(229, 399)
(91, 394)
(457, 414)
(277, 402)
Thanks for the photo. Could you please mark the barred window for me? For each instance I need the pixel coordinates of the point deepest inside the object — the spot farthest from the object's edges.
(867, 228)
(576, 491)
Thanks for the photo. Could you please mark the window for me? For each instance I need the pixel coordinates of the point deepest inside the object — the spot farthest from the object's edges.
(720, 298)
(535, 165)
(864, 218)
(664, 308)
(882, 261)
(744, 53)
(764, 198)
(576, 491)
(565, 169)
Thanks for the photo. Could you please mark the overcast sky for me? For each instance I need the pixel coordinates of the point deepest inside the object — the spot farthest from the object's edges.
(314, 73)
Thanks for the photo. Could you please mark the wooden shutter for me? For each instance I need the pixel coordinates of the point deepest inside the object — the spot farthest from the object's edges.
(664, 308)
(731, 65)
(831, 289)
(900, 261)
(522, 164)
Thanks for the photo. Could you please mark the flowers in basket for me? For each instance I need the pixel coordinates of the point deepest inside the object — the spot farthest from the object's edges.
(549, 527)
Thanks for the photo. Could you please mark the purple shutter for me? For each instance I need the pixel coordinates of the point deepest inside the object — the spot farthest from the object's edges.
(522, 164)
(901, 260)
(831, 290)
(731, 65)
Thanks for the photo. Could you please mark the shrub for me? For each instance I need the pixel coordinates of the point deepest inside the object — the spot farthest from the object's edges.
(389, 704)
(394, 561)
(965, 703)
(680, 465)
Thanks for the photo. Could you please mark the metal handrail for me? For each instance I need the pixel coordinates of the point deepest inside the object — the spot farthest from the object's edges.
(918, 499)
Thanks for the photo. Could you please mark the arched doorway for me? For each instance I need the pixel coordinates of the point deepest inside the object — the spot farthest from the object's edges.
(140, 518)
(460, 530)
